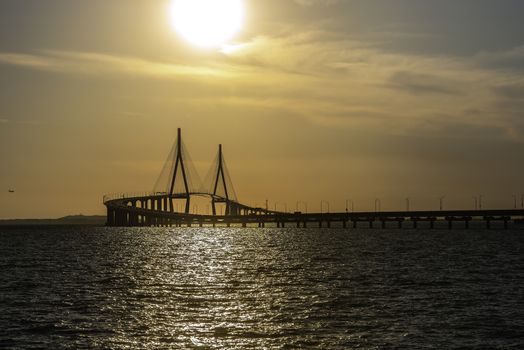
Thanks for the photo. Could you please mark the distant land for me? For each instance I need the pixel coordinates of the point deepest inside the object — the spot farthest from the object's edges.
(95, 220)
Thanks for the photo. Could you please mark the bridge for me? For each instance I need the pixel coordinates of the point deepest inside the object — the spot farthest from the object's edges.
(179, 181)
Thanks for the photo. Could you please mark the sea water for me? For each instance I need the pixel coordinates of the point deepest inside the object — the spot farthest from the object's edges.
(205, 288)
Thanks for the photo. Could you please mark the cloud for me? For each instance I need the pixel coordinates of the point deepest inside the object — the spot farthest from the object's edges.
(336, 81)
(328, 79)
(512, 59)
(419, 83)
(317, 2)
(26, 60)
(93, 63)
(21, 122)
(513, 91)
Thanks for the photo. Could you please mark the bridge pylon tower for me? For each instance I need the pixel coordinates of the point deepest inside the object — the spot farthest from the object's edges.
(220, 178)
(179, 162)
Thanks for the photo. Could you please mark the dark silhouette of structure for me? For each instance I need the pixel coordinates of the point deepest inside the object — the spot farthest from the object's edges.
(220, 179)
(179, 164)
(157, 208)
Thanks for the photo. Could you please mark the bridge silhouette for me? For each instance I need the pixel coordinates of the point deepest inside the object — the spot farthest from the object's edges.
(179, 180)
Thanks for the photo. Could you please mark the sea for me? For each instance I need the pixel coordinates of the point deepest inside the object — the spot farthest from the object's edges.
(261, 288)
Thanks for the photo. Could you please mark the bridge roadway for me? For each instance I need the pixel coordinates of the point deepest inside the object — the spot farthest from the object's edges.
(154, 210)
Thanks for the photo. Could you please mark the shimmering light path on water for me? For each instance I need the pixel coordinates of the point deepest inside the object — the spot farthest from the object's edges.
(260, 288)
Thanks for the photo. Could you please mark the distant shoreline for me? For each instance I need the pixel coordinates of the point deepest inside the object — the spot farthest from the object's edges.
(72, 220)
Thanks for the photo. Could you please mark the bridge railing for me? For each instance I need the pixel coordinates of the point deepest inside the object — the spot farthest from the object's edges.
(129, 195)
(114, 196)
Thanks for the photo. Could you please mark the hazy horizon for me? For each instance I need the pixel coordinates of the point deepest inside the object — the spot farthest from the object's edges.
(312, 99)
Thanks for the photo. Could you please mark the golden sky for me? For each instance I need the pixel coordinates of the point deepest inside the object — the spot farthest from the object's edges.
(312, 99)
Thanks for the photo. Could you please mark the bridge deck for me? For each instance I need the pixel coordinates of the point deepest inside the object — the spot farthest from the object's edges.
(154, 212)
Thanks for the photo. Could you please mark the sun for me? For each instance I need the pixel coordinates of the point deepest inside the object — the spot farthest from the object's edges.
(207, 23)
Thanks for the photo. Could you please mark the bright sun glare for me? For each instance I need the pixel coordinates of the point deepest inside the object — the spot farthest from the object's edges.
(207, 23)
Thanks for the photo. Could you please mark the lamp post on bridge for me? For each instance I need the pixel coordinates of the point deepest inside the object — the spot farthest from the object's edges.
(321, 206)
(441, 203)
(352, 205)
(476, 200)
(407, 204)
(377, 205)
(480, 202)
(515, 201)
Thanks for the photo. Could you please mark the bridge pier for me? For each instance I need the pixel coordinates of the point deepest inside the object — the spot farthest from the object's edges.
(344, 224)
(133, 219)
(110, 217)
(118, 218)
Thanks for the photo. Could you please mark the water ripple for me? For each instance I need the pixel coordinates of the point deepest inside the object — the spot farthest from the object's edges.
(218, 288)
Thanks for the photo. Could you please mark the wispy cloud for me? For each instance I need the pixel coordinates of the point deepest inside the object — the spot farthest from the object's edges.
(27, 60)
(336, 81)
(331, 80)
(98, 63)
(506, 60)
(419, 84)
(20, 122)
(316, 2)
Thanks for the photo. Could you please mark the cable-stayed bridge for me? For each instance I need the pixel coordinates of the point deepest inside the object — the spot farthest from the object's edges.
(179, 181)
